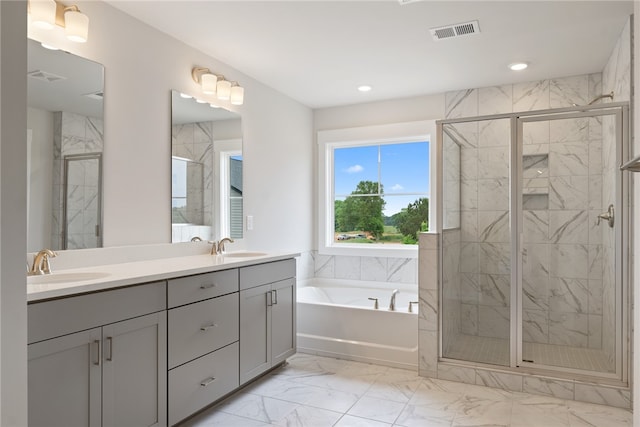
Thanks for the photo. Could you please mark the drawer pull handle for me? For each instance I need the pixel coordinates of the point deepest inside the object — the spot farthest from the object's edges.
(212, 285)
(208, 381)
(99, 356)
(110, 358)
(206, 328)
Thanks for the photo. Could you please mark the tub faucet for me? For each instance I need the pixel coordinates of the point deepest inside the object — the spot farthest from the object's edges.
(41, 263)
(392, 303)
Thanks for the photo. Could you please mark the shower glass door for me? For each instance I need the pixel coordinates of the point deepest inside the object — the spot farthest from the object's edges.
(81, 204)
(476, 305)
(569, 292)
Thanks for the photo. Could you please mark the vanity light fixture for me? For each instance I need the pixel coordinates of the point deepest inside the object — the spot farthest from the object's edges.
(43, 13)
(224, 90)
(212, 83)
(47, 14)
(237, 94)
(76, 24)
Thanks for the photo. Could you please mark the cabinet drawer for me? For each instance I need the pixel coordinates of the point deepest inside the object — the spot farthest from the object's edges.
(190, 289)
(261, 274)
(201, 328)
(54, 318)
(201, 382)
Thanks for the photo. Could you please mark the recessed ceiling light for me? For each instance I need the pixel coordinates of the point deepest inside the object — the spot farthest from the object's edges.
(518, 66)
(364, 88)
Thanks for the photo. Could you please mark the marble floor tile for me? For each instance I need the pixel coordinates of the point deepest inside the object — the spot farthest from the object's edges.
(313, 391)
(351, 421)
(377, 409)
(304, 416)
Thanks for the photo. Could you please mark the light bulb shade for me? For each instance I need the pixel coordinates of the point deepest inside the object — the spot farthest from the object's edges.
(76, 26)
(43, 13)
(209, 82)
(224, 90)
(237, 95)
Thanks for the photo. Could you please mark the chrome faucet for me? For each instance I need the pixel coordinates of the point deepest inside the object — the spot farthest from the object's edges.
(392, 304)
(221, 244)
(217, 248)
(196, 239)
(41, 263)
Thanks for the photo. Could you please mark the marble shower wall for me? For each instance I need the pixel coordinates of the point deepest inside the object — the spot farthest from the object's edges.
(76, 134)
(194, 141)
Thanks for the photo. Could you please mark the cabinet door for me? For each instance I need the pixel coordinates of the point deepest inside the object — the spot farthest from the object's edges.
(135, 372)
(283, 320)
(64, 381)
(255, 332)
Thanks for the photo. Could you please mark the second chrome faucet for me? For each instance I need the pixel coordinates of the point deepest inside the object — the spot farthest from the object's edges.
(217, 248)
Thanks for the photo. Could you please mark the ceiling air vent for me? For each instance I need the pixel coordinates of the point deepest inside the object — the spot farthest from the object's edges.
(95, 95)
(45, 76)
(456, 30)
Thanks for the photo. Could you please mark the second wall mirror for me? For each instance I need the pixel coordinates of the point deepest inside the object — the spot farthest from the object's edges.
(206, 171)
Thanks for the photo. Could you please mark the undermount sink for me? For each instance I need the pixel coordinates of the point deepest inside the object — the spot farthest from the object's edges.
(65, 277)
(243, 254)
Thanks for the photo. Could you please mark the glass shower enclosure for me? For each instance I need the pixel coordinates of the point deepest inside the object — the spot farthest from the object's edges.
(533, 228)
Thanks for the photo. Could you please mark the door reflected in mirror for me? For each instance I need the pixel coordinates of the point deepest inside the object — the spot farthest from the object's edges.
(206, 171)
(65, 141)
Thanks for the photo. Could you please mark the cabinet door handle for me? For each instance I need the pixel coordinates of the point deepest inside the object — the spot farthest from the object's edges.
(110, 358)
(274, 297)
(208, 381)
(209, 286)
(207, 327)
(98, 355)
(269, 295)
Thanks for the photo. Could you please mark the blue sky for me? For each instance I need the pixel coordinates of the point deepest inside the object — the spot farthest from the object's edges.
(404, 168)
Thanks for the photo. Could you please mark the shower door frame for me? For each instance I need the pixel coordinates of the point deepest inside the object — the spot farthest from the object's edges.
(622, 206)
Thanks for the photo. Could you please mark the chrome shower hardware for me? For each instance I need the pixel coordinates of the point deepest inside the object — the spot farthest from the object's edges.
(607, 216)
(375, 304)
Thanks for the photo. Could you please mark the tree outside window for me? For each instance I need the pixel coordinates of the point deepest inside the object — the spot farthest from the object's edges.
(381, 193)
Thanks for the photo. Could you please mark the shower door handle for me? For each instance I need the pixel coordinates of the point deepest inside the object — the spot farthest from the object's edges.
(607, 216)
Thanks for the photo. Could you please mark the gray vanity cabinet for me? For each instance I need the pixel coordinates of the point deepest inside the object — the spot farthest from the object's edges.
(267, 316)
(202, 341)
(65, 381)
(114, 373)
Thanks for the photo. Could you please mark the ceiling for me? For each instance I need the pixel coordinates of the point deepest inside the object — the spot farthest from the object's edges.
(319, 52)
(74, 84)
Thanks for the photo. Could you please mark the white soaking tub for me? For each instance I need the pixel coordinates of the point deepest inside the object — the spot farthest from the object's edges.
(336, 319)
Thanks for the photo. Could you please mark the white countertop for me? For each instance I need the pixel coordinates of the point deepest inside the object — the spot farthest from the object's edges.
(110, 276)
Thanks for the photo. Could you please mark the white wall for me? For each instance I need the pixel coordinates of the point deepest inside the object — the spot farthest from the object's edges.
(40, 184)
(142, 65)
(13, 213)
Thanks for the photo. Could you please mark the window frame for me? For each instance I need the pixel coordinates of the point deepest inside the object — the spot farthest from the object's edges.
(223, 151)
(327, 141)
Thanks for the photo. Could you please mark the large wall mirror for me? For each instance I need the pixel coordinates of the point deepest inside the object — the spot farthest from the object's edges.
(64, 150)
(206, 171)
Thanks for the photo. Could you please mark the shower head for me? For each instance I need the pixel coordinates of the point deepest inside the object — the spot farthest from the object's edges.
(597, 98)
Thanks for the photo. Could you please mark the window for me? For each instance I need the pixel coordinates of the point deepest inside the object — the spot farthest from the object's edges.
(375, 194)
